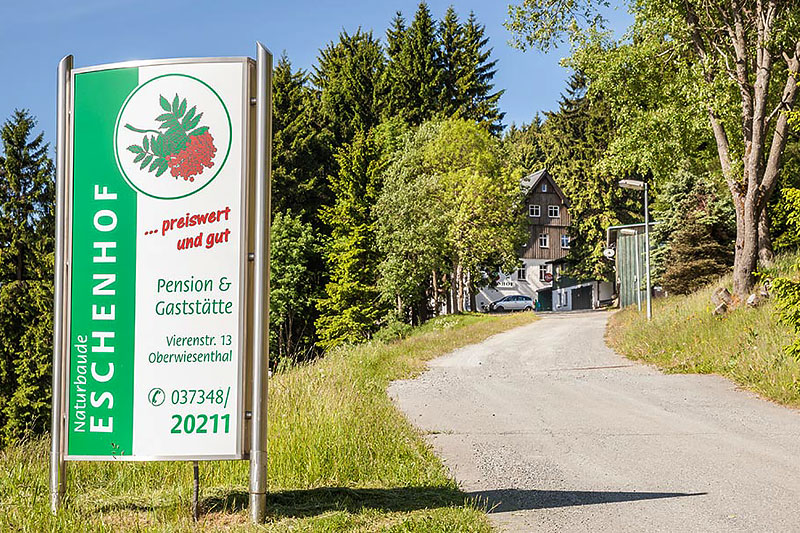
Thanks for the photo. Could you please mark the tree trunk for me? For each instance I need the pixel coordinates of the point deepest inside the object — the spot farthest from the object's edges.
(746, 258)
(473, 301)
(765, 253)
(435, 282)
(459, 278)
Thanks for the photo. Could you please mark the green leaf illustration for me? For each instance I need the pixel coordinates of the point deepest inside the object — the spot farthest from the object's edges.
(162, 166)
(172, 135)
(189, 115)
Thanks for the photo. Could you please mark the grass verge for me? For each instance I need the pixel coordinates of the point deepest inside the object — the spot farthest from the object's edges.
(746, 345)
(341, 458)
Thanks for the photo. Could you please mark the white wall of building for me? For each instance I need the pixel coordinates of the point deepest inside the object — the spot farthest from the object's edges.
(511, 284)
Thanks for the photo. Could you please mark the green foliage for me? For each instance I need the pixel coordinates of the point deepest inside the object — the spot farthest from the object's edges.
(786, 291)
(440, 70)
(26, 273)
(695, 232)
(468, 72)
(695, 258)
(785, 206)
(524, 146)
(302, 149)
(449, 206)
(394, 329)
(543, 24)
(349, 76)
(351, 311)
(575, 139)
(295, 255)
(414, 70)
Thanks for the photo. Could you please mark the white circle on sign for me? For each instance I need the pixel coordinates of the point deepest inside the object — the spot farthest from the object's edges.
(172, 136)
(609, 252)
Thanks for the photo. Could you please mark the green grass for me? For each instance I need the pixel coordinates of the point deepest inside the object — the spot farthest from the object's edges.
(341, 458)
(746, 345)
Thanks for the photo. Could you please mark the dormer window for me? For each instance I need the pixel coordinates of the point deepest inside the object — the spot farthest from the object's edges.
(544, 187)
(534, 210)
(553, 211)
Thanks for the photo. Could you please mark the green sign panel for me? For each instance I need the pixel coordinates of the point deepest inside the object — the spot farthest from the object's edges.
(156, 251)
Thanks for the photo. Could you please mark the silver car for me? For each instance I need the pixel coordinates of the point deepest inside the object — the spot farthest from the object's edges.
(513, 302)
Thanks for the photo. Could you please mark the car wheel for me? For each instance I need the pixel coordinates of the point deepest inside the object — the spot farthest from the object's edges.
(499, 309)
(529, 308)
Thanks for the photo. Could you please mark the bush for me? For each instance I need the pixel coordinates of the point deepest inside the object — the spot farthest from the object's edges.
(393, 330)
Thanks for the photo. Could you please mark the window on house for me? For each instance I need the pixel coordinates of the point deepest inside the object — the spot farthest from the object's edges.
(553, 211)
(542, 272)
(534, 210)
(565, 242)
(544, 240)
(544, 187)
(521, 274)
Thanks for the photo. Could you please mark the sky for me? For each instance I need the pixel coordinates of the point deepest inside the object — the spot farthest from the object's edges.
(36, 34)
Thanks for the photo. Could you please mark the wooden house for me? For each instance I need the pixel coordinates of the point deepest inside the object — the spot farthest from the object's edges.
(541, 258)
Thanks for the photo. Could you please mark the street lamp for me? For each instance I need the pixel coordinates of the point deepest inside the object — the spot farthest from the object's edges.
(642, 186)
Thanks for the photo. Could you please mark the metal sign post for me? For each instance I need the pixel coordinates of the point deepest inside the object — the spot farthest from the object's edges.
(163, 189)
(258, 446)
(57, 466)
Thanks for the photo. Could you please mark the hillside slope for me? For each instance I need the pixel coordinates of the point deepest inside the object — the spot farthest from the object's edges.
(746, 345)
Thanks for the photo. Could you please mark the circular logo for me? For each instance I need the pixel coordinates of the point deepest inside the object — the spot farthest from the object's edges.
(172, 136)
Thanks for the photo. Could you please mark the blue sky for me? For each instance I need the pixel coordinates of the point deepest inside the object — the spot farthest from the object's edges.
(35, 34)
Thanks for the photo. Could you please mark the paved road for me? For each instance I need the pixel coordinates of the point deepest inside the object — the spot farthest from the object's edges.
(559, 433)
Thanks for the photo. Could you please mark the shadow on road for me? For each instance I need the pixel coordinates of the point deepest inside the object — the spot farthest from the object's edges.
(313, 502)
(504, 500)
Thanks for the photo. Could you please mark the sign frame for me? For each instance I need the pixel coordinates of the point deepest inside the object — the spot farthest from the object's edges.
(253, 313)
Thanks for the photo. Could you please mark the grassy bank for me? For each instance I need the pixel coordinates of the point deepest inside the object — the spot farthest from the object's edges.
(341, 457)
(745, 345)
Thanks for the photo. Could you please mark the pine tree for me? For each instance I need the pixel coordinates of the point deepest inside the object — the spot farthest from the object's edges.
(697, 226)
(695, 258)
(349, 76)
(523, 146)
(301, 147)
(475, 97)
(26, 273)
(351, 309)
(414, 74)
(451, 51)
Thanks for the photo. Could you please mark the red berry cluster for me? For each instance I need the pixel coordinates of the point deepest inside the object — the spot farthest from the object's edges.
(198, 153)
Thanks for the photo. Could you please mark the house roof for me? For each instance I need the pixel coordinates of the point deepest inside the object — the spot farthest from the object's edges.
(531, 181)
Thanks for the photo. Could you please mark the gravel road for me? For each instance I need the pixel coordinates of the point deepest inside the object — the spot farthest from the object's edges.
(558, 433)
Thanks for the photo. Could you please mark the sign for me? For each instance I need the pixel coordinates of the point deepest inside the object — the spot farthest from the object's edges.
(609, 253)
(548, 277)
(157, 243)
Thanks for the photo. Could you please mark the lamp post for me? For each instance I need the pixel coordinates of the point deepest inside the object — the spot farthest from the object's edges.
(642, 186)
